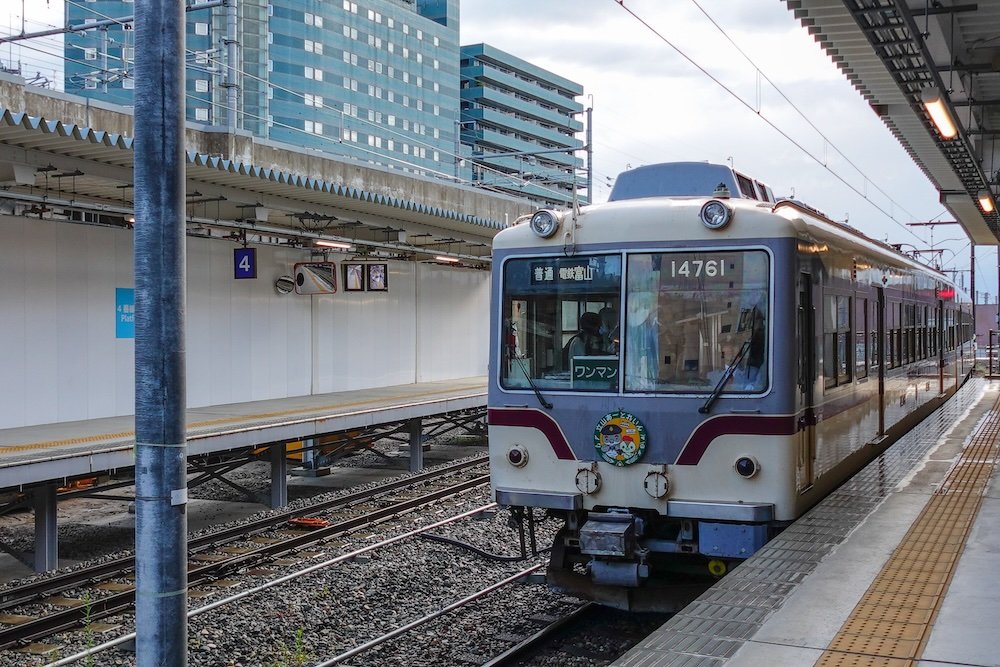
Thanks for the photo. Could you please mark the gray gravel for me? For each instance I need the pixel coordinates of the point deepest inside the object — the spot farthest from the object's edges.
(339, 607)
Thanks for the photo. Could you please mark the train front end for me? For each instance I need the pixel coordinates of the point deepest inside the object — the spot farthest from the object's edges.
(634, 394)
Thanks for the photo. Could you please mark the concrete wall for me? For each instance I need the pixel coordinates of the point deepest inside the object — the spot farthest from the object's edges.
(60, 359)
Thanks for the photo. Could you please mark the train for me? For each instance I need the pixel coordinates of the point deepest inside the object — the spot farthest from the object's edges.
(679, 373)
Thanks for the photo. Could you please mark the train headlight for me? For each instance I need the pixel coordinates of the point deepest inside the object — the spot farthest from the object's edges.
(544, 223)
(746, 466)
(714, 214)
(517, 456)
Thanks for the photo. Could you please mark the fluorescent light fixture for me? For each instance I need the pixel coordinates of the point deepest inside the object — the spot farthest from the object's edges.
(934, 103)
(985, 201)
(445, 258)
(333, 244)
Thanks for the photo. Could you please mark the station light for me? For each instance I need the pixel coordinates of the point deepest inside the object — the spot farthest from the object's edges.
(333, 244)
(934, 103)
(445, 258)
(986, 201)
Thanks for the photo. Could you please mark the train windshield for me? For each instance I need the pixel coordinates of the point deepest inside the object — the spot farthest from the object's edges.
(560, 323)
(694, 318)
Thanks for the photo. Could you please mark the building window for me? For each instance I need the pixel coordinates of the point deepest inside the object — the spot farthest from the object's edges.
(437, 87)
(406, 29)
(201, 113)
(90, 54)
(313, 128)
(128, 83)
(200, 28)
(420, 34)
(90, 83)
(420, 57)
(128, 54)
(437, 42)
(201, 85)
(200, 58)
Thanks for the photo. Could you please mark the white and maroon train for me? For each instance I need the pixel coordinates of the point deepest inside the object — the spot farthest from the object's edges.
(679, 373)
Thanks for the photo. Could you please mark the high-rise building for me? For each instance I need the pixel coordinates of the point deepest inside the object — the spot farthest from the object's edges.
(377, 80)
(519, 126)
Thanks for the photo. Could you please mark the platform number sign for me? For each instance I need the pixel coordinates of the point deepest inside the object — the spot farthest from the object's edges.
(244, 263)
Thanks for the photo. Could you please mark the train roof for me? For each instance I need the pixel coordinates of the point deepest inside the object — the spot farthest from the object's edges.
(653, 220)
(687, 179)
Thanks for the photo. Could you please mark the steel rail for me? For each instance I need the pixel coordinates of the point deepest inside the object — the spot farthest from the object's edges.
(280, 580)
(49, 586)
(403, 629)
(539, 638)
(119, 602)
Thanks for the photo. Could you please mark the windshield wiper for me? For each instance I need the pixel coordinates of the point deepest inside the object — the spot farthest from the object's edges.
(531, 383)
(726, 375)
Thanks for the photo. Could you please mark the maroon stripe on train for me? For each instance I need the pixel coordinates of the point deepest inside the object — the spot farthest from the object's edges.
(532, 418)
(709, 430)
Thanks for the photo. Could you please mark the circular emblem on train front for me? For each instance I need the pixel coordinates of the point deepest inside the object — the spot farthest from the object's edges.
(620, 438)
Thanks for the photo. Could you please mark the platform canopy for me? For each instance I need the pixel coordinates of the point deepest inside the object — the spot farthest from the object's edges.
(65, 158)
(900, 54)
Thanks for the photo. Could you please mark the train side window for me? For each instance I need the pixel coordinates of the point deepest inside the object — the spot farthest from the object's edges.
(861, 338)
(746, 186)
(837, 365)
(875, 349)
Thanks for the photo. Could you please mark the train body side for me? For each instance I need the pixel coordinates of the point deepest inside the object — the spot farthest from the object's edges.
(835, 396)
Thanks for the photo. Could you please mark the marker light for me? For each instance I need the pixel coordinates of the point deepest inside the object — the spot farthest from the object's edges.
(517, 456)
(715, 214)
(934, 103)
(544, 223)
(747, 466)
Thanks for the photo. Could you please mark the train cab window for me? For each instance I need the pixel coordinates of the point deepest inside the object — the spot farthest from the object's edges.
(837, 364)
(695, 319)
(561, 323)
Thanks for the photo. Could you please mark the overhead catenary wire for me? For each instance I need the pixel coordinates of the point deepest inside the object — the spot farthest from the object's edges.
(764, 118)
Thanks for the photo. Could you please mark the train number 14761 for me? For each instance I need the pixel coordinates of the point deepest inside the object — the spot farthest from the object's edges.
(696, 268)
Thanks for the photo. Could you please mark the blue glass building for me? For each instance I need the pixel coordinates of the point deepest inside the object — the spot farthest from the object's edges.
(519, 126)
(377, 80)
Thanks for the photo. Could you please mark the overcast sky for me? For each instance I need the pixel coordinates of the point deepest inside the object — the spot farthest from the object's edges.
(652, 105)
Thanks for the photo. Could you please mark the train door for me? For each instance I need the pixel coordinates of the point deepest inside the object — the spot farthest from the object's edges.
(806, 455)
(881, 351)
(939, 324)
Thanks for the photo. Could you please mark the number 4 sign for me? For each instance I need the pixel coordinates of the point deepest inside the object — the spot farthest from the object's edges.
(244, 263)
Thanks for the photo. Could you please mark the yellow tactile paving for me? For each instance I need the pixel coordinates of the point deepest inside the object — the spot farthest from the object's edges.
(119, 435)
(891, 624)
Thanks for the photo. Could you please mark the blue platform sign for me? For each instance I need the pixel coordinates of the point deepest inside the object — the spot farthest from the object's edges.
(124, 312)
(244, 263)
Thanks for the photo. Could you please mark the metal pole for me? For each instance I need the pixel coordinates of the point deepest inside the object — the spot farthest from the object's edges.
(590, 156)
(160, 448)
(232, 65)
(972, 288)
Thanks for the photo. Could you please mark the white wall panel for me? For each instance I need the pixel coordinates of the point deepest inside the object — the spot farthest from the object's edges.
(453, 322)
(365, 339)
(60, 359)
(14, 362)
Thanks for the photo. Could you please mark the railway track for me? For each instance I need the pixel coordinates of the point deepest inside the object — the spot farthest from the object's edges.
(212, 557)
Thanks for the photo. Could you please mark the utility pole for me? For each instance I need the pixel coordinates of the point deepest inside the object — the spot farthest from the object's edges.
(160, 400)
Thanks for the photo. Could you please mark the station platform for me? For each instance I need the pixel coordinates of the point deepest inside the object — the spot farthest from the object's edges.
(895, 568)
(36, 454)
(35, 461)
